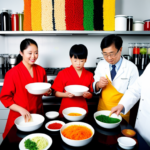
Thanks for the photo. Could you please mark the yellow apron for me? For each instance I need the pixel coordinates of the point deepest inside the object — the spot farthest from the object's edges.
(109, 98)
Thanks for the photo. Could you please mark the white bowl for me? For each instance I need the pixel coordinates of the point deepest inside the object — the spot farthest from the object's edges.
(21, 144)
(77, 143)
(29, 126)
(54, 121)
(107, 125)
(126, 142)
(38, 88)
(52, 114)
(76, 90)
(79, 110)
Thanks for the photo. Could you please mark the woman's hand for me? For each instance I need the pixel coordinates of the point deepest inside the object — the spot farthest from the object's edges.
(87, 95)
(49, 92)
(117, 109)
(26, 115)
(69, 95)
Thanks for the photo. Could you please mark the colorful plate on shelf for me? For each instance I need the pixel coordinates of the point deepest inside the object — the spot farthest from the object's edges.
(49, 139)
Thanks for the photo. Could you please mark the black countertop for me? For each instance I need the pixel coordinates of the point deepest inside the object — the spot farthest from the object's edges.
(103, 139)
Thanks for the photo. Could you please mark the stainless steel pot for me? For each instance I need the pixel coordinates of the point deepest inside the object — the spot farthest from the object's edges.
(12, 60)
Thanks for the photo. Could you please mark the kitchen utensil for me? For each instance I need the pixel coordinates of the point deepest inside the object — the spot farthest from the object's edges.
(107, 125)
(52, 114)
(128, 132)
(29, 126)
(76, 90)
(126, 142)
(79, 110)
(49, 139)
(38, 88)
(54, 121)
(98, 59)
(77, 143)
(110, 114)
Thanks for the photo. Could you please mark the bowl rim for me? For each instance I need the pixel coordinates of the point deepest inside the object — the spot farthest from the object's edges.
(26, 86)
(30, 124)
(104, 122)
(128, 138)
(77, 85)
(57, 121)
(74, 108)
(71, 123)
(50, 112)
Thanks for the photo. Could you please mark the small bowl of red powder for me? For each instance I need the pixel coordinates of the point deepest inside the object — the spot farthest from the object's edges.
(54, 125)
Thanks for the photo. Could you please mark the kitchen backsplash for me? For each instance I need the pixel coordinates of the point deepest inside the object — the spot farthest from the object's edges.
(54, 50)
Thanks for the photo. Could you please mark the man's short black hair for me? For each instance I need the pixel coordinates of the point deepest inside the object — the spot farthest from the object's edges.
(78, 51)
(111, 39)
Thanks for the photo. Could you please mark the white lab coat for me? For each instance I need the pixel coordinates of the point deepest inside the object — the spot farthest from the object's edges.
(125, 77)
(140, 90)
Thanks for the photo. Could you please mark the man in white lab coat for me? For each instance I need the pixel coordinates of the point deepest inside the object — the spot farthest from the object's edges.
(113, 75)
(139, 90)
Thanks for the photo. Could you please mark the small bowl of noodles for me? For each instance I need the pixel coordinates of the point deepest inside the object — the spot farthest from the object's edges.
(77, 133)
(74, 113)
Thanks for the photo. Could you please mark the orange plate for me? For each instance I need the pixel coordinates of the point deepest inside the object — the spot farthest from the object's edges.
(128, 132)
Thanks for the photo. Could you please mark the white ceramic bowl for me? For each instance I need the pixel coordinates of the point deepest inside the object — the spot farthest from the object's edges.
(54, 121)
(79, 110)
(77, 143)
(76, 90)
(126, 142)
(29, 126)
(38, 88)
(52, 114)
(107, 125)
(21, 144)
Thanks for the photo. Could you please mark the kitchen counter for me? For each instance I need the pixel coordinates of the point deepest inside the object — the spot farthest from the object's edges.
(103, 138)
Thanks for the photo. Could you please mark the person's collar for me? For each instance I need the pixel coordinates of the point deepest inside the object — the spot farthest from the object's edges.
(118, 64)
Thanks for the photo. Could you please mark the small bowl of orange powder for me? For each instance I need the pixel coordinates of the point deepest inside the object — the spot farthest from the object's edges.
(74, 113)
(77, 133)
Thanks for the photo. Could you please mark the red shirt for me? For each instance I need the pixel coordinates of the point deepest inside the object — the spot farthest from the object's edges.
(67, 77)
(14, 92)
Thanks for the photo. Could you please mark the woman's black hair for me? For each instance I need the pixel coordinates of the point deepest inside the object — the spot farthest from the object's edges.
(78, 51)
(23, 45)
(111, 39)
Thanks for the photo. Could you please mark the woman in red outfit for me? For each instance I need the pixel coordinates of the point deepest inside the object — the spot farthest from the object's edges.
(14, 95)
(76, 74)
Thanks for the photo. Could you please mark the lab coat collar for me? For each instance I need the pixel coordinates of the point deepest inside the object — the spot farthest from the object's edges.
(120, 71)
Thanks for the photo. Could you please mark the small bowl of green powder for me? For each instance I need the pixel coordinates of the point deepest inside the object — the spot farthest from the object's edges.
(102, 119)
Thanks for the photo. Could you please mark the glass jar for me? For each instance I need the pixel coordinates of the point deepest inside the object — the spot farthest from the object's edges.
(9, 14)
(143, 56)
(120, 23)
(130, 48)
(15, 21)
(147, 25)
(129, 23)
(21, 21)
(138, 26)
(4, 20)
(136, 54)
